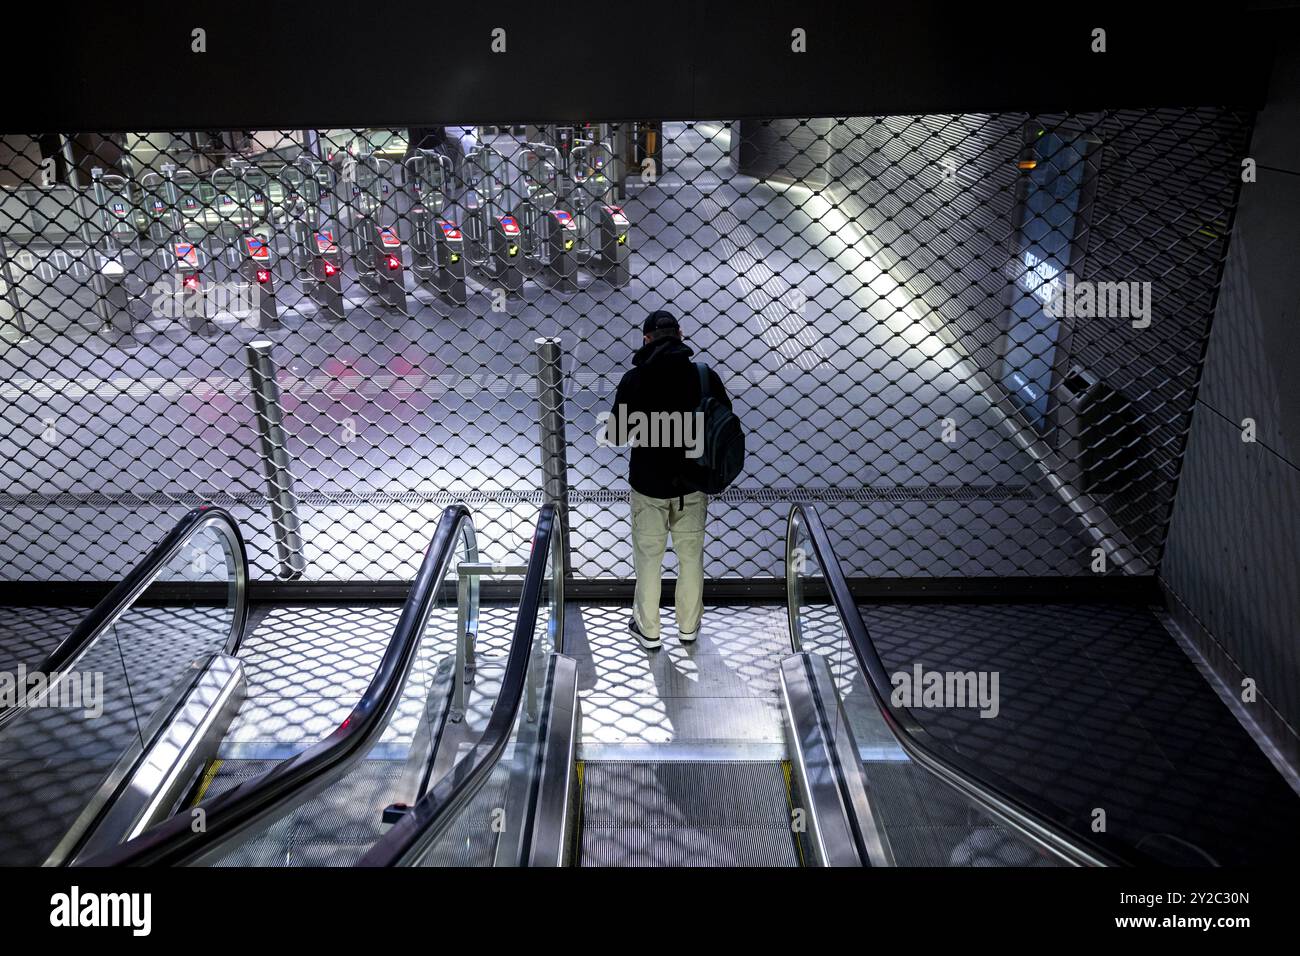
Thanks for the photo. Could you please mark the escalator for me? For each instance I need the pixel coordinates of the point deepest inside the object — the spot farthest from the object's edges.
(74, 787)
(330, 803)
(73, 748)
(859, 783)
(932, 803)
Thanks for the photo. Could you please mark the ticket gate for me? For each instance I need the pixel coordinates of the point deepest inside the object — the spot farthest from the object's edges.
(237, 228)
(315, 252)
(323, 278)
(437, 243)
(191, 223)
(449, 261)
(191, 300)
(612, 263)
(111, 195)
(564, 137)
(112, 301)
(588, 188)
(602, 240)
(162, 220)
(231, 219)
(367, 192)
(254, 192)
(556, 238)
(158, 216)
(493, 238)
(386, 276)
(258, 272)
(549, 232)
(184, 195)
(507, 249)
(438, 253)
(376, 248)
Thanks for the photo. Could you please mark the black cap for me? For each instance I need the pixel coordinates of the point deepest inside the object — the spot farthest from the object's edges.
(660, 321)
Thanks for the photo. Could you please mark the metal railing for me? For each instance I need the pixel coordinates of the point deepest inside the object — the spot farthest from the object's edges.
(130, 589)
(293, 782)
(421, 826)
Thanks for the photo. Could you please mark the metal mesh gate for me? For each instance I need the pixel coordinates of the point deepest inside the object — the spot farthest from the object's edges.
(974, 338)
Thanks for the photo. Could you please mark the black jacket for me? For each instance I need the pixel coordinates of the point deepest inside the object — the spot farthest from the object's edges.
(662, 379)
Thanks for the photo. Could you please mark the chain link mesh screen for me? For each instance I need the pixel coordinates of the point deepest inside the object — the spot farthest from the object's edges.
(974, 339)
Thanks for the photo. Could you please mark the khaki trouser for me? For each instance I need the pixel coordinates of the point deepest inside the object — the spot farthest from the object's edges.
(652, 521)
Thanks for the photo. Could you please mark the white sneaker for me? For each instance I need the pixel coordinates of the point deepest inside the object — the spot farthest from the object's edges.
(688, 638)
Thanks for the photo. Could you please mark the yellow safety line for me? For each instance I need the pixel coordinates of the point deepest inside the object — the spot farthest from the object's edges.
(787, 771)
(576, 851)
(208, 776)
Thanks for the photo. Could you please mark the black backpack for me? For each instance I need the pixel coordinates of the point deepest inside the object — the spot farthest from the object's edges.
(723, 455)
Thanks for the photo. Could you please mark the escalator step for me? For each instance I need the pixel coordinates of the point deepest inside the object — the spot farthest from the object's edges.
(686, 813)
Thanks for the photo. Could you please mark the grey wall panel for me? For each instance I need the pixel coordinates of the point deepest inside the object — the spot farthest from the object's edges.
(1231, 557)
(1253, 367)
(1234, 545)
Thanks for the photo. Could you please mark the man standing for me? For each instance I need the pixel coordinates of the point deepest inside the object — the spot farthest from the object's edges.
(659, 397)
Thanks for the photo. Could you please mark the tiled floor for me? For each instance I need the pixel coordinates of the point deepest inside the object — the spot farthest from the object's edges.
(308, 666)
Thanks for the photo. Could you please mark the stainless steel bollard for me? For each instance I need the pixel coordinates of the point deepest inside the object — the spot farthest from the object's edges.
(555, 461)
(275, 459)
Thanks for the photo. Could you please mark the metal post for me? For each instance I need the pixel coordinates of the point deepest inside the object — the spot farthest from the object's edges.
(275, 458)
(70, 165)
(467, 607)
(461, 675)
(621, 157)
(550, 412)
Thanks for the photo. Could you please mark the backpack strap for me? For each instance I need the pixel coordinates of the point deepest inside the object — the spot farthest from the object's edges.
(704, 379)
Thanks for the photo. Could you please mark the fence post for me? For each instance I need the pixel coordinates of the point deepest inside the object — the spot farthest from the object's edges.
(550, 412)
(275, 459)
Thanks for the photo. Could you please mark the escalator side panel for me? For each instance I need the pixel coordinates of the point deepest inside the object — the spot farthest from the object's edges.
(842, 827)
(150, 779)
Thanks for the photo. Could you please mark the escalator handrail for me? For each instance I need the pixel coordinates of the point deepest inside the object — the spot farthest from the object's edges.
(126, 592)
(421, 825)
(175, 842)
(1005, 801)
